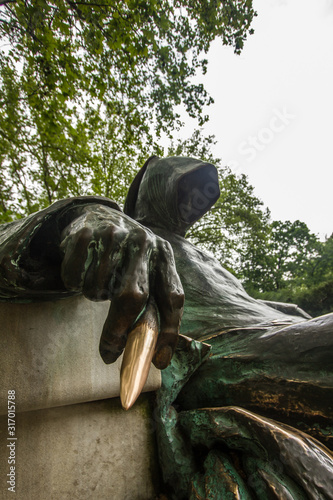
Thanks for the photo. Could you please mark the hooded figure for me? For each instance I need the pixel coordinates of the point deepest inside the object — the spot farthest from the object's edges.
(168, 196)
(246, 396)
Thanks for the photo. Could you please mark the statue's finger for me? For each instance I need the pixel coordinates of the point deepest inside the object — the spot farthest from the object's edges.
(169, 297)
(77, 250)
(129, 296)
(102, 276)
(138, 354)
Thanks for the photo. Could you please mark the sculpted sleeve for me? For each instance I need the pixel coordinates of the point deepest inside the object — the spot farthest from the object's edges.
(30, 259)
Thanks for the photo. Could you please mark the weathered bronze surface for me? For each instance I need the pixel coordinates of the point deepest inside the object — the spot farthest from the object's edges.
(245, 410)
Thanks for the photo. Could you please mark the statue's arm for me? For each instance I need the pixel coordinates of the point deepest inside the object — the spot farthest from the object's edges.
(292, 309)
(30, 257)
(88, 246)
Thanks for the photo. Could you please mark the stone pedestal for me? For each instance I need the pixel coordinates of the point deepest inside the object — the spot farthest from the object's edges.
(72, 439)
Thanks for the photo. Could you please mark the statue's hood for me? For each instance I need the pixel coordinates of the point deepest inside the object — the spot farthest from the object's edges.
(172, 193)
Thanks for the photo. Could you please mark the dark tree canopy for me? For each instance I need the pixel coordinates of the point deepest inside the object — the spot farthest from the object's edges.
(86, 86)
(133, 53)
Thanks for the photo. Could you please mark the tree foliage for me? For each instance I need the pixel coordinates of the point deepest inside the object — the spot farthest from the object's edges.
(289, 254)
(87, 85)
(296, 267)
(322, 266)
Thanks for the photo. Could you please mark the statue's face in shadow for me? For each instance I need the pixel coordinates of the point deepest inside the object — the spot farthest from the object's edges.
(197, 191)
(175, 192)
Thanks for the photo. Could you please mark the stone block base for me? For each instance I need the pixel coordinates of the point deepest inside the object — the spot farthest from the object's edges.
(84, 451)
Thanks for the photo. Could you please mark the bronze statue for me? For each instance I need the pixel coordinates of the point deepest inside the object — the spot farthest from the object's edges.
(246, 406)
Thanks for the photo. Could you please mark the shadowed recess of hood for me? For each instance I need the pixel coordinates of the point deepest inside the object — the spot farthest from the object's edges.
(172, 193)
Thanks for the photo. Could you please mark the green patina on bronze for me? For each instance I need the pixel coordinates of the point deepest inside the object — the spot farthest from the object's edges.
(219, 478)
(242, 453)
(176, 457)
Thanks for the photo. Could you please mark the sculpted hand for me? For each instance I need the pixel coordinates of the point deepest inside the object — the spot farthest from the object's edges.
(108, 256)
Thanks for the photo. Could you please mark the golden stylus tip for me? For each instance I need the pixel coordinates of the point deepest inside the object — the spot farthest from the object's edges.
(138, 355)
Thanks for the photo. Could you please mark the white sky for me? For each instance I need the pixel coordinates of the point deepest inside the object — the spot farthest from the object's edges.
(286, 68)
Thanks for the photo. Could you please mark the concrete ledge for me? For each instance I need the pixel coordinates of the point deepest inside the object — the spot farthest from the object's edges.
(50, 355)
(86, 451)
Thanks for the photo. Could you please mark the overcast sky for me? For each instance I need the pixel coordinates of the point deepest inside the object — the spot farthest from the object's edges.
(273, 111)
